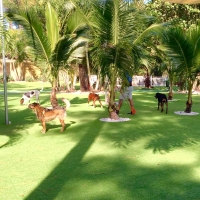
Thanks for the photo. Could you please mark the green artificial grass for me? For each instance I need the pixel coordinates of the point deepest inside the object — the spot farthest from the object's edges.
(152, 156)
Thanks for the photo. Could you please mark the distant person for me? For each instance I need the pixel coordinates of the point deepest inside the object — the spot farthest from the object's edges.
(126, 93)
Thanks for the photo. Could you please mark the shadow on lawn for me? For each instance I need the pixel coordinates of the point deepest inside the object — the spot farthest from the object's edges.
(17, 123)
(165, 143)
(105, 177)
(158, 143)
(112, 177)
(54, 126)
(13, 139)
(65, 170)
(160, 132)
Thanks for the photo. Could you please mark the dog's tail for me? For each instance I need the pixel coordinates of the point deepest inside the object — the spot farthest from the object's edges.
(42, 89)
(67, 102)
(165, 100)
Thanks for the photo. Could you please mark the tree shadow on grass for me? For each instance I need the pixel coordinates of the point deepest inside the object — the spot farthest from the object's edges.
(113, 177)
(12, 139)
(165, 143)
(158, 143)
(159, 137)
(56, 126)
(17, 124)
(78, 100)
(63, 172)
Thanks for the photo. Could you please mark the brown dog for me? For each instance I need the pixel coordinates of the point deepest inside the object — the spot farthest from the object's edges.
(93, 97)
(45, 115)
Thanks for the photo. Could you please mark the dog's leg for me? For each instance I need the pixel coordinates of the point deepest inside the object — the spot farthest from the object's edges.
(100, 102)
(27, 102)
(37, 98)
(63, 125)
(166, 107)
(94, 103)
(94, 100)
(158, 105)
(162, 105)
(44, 127)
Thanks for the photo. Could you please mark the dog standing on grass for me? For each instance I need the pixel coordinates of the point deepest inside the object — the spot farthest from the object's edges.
(28, 95)
(44, 114)
(162, 99)
(93, 97)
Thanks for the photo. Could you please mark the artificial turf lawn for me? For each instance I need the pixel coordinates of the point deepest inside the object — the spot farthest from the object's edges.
(152, 156)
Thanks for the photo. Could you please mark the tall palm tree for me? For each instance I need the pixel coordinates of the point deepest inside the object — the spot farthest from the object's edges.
(57, 39)
(167, 66)
(184, 53)
(171, 70)
(17, 51)
(116, 38)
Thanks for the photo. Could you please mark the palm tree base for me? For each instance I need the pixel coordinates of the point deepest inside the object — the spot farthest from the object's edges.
(188, 107)
(53, 99)
(170, 96)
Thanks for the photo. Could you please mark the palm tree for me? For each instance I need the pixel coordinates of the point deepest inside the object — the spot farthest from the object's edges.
(184, 53)
(17, 51)
(116, 39)
(57, 39)
(171, 70)
(167, 66)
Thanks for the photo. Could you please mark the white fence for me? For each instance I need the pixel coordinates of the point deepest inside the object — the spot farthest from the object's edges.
(155, 81)
(139, 80)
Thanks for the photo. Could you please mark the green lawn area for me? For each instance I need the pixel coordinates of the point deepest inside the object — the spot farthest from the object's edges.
(154, 156)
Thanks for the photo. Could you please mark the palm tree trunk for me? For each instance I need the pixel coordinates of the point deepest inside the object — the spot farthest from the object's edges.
(88, 67)
(98, 79)
(53, 99)
(170, 95)
(83, 76)
(112, 94)
(67, 81)
(111, 105)
(73, 78)
(189, 101)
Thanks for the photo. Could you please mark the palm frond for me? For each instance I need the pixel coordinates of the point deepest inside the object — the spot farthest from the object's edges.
(194, 37)
(52, 23)
(34, 29)
(180, 50)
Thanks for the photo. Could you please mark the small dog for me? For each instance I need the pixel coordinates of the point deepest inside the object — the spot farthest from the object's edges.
(28, 95)
(112, 109)
(162, 99)
(45, 114)
(93, 97)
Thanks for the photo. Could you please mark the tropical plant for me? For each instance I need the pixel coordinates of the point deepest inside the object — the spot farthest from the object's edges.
(183, 50)
(56, 40)
(177, 14)
(117, 32)
(171, 71)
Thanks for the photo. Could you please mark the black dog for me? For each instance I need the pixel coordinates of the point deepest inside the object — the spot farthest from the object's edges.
(162, 99)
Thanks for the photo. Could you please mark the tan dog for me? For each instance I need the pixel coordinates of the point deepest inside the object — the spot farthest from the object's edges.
(45, 114)
(93, 97)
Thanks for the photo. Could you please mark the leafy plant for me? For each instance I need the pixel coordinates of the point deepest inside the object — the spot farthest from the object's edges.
(183, 50)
